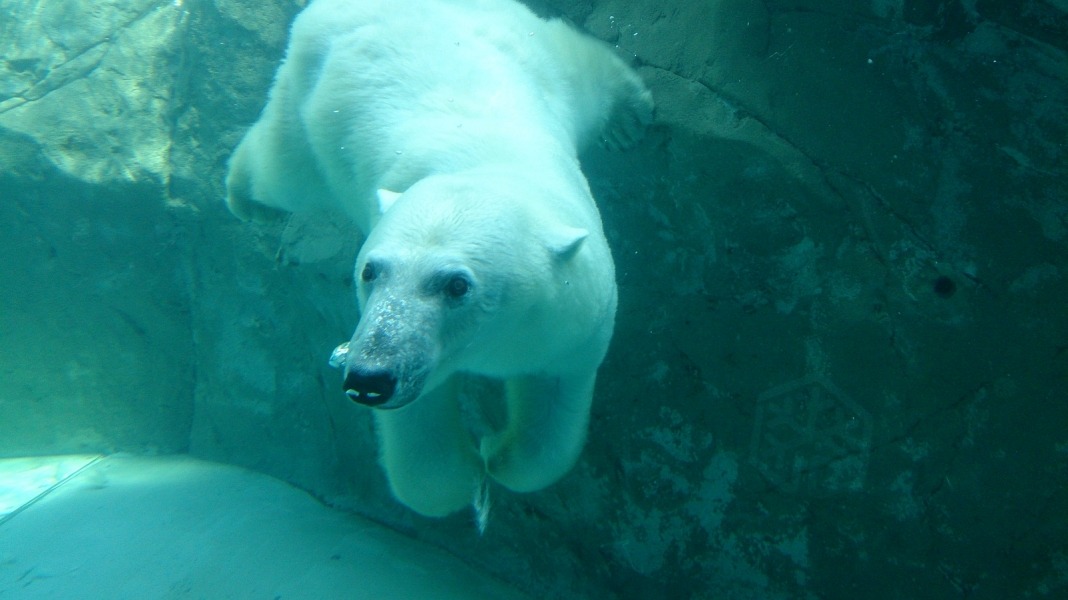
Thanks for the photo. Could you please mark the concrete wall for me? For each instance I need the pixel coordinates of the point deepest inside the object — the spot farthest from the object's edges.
(839, 367)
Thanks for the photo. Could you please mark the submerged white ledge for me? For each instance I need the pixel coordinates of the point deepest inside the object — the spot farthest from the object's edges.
(177, 527)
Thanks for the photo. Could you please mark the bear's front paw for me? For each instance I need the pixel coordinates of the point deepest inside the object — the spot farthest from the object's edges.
(494, 454)
(517, 466)
(631, 116)
(503, 463)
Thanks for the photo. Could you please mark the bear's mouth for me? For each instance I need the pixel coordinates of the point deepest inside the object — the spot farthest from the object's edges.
(371, 386)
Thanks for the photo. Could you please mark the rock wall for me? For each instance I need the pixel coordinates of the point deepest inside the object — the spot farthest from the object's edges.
(95, 340)
(839, 368)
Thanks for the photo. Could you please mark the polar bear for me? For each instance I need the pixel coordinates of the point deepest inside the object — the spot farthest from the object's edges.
(449, 132)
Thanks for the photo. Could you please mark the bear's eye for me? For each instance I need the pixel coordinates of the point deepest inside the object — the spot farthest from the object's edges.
(457, 286)
(368, 274)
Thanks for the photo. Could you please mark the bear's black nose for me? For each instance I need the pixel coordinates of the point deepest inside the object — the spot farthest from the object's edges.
(370, 387)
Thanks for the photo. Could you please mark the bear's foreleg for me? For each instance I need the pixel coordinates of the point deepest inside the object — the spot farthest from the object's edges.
(546, 429)
(429, 457)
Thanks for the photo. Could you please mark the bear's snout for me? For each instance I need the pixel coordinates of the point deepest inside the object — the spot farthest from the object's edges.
(370, 387)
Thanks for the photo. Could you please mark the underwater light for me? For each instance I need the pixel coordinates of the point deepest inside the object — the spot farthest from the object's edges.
(26, 480)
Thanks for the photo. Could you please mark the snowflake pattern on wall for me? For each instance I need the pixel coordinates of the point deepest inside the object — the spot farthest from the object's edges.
(809, 437)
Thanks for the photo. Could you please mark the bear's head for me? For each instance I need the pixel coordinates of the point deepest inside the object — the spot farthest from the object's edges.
(460, 274)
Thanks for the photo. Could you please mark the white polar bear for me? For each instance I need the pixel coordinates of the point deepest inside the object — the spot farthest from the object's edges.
(449, 132)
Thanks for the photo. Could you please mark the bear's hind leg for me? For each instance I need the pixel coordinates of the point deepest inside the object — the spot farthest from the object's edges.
(429, 457)
(611, 103)
(273, 171)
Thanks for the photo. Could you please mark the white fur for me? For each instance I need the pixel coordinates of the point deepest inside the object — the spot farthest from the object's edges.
(448, 130)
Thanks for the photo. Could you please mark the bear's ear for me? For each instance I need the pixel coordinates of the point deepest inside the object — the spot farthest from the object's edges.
(386, 198)
(563, 242)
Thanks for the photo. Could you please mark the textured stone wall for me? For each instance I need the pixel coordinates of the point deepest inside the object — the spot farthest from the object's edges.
(96, 348)
(840, 365)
